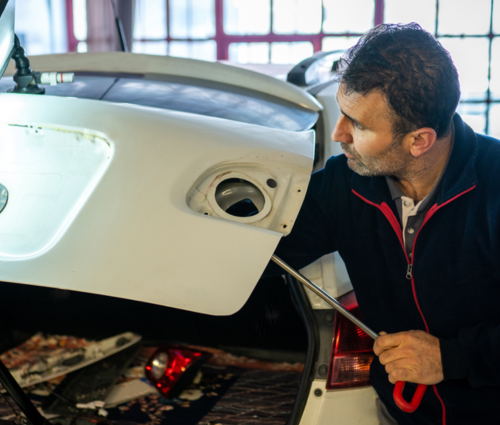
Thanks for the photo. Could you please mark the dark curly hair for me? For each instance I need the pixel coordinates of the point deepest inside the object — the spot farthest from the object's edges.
(411, 68)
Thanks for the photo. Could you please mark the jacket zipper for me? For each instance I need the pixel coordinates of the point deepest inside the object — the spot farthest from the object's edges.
(429, 214)
(409, 274)
(386, 210)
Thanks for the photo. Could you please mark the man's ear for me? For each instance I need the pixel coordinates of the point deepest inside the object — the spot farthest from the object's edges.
(421, 141)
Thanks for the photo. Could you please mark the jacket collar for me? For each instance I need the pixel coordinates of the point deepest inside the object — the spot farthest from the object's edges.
(460, 174)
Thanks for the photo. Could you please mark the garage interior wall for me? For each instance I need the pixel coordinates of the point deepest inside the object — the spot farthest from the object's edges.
(279, 32)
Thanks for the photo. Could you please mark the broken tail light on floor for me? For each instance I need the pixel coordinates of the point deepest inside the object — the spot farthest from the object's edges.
(171, 369)
(352, 350)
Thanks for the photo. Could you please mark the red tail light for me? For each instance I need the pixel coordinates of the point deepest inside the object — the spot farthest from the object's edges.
(170, 369)
(352, 350)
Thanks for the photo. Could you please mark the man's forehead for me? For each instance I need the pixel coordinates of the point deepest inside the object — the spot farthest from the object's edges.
(368, 107)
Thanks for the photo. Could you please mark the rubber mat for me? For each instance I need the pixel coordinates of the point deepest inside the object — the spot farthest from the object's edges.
(245, 391)
(257, 397)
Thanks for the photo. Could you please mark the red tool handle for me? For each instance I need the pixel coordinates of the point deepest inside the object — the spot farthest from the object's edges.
(415, 401)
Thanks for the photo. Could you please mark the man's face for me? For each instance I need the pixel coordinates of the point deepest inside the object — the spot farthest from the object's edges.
(364, 130)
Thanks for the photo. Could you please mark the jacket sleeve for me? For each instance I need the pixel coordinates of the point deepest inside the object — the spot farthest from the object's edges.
(312, 235)
(479, 347)
(454, 366)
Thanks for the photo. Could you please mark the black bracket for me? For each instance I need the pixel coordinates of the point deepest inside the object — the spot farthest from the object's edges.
(24, 76)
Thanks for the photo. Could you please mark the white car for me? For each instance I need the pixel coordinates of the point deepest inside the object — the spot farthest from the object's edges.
(171, 181)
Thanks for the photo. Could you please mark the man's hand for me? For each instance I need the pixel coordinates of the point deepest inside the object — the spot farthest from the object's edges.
(412, 356)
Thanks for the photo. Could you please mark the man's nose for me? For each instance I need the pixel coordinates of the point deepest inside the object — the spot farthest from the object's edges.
(341, 132)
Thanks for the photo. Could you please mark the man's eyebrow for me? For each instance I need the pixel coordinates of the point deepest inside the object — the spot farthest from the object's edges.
(347, 116)
(352, 119)
(355, 121)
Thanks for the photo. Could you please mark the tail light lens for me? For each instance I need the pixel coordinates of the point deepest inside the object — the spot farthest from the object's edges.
(170, 369)
(352, 350)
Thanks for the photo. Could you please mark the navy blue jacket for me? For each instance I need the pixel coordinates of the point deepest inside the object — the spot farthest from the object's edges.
(454, 289)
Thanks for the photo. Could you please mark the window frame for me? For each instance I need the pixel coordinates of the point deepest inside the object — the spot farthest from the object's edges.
(491, 36)
(72, 40)
(223, 40)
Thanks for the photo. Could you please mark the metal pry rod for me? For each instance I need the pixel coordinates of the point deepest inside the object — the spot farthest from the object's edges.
(325, 296)
(119, 28)
(19, 396)
(405, 406)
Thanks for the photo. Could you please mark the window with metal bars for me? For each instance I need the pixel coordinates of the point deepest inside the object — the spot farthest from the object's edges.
(470, 31)
(257, 31)
(287, 31)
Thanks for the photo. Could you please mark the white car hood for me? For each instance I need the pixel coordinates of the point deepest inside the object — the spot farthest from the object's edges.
(119, 200)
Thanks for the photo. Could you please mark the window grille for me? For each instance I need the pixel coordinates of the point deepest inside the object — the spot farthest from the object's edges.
(287, 31)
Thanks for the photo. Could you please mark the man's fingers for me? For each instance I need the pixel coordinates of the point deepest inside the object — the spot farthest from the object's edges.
(403, 363)
(400, 375)
(412, 356)
(394, 354)
(402, 370)
(387, 341)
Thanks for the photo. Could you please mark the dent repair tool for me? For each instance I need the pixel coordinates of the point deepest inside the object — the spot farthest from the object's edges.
(398, 388)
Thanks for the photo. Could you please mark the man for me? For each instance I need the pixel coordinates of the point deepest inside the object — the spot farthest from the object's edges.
(413, 208)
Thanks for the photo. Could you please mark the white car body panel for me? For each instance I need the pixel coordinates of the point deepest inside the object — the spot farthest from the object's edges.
(120, 200)
(168, 65)
(341, 406)
(50, 173)
(330, 274)
(349, 406)
(127, 230)
(331, 113)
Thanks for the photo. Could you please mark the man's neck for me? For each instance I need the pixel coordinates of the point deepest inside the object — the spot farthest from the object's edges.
(424, 176)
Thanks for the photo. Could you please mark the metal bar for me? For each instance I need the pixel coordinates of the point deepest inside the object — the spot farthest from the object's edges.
(464, 36)
(292, 37)
(51, 24)
(72, 41)
(321, 31)
(436, 22)
(480, 101)
(172, 39)
(260, 38)
(317, 43)
(220, 35)
(378, 17)
(271, 29)
(488, 95)
(20, 398)
(325, 296)
(271, 17)
(119, 28)
(285, 37)
(167, 17)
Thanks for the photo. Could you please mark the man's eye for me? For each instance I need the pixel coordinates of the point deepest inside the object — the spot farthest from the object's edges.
(358, 126)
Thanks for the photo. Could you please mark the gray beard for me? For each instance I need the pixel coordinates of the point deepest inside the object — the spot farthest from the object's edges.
(394, 162)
